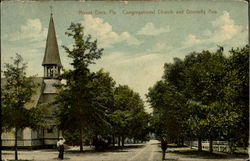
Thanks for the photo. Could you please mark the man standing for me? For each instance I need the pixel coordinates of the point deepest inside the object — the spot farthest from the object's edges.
(60, 147)
(164, 145)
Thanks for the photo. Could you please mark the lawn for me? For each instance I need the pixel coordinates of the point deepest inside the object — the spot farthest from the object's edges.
(193, 153)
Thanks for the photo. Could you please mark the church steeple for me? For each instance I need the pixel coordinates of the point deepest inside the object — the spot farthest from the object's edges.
(51, 60)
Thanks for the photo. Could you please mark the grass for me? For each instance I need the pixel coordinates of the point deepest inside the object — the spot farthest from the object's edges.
(192, 153)
(241, 150)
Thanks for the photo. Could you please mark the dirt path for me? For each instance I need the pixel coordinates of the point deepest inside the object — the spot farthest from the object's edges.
(139, 152)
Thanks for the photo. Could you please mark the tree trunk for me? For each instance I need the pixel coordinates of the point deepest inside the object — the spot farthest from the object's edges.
(119, 141)
(113, 140)
(210, 145)
(16, 155)
(43, 140)
(81, 142)
(134, 140)
(178, 141)
(123, 141)
(191, 144)
(1, 135)
(199, 144)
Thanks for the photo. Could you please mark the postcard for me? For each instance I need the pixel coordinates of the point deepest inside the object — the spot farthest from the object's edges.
(137, 45)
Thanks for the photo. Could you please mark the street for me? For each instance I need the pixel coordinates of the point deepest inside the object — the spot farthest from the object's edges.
(149, 151)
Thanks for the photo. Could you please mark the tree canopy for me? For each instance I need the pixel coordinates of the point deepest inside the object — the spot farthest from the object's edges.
(16, 92)
(89, 102)
(204, 96)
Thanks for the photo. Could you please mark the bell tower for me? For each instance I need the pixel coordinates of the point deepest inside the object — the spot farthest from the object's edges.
(52, 66)
(51, 60)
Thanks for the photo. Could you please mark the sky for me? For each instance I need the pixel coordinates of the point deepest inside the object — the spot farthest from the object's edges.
(137, 37)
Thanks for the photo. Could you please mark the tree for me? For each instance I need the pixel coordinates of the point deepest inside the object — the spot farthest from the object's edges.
(103, 90)
(89, 102)
(16, 92)
(209, 92)
(237, 96)
(139, 125)
(77, 110)
(126, 118)
(168, 113)
(204, 83)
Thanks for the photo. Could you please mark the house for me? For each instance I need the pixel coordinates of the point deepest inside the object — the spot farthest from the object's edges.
(44, 95)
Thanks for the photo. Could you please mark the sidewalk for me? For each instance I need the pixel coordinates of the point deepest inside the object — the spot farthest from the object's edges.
(41, 154)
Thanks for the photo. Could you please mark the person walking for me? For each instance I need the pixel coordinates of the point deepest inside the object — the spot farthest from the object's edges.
(60, 147)
(164, 145)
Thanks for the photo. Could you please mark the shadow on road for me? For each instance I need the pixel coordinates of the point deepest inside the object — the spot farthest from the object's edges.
(61, 159)
(110, 149)
(169, 145)
(171, 159)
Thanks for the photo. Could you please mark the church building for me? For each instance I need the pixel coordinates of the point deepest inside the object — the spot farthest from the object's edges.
(44, 95)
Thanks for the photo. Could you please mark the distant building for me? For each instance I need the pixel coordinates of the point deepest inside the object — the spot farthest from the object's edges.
(44, 95)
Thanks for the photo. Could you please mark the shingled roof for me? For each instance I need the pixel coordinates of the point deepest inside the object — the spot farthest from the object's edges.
(51, 56)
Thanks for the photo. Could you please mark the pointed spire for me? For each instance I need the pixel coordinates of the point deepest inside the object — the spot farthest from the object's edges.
(51, 10)
(51, 56)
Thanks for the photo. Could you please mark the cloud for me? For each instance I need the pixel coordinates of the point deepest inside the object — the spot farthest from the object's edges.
(124, 1)
(104, 33)
(150, 29)
(32, 55)
(32, 31)
(192, 39)
(159, 47)
(29, 41)
(137, 70)
(224, 31)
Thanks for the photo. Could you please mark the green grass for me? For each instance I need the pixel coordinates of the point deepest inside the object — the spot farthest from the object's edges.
(241, 150)
(191, 153)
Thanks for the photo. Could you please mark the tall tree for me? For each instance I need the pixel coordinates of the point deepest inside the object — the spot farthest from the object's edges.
(15, 93)
(204, 83)
(169, 112)
(103, 90)
(129, 107)
(237, 96)
(213, 90)
(76, 96)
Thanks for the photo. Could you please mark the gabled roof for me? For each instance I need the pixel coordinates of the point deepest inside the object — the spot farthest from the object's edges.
(38, 82)
(51, 56)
